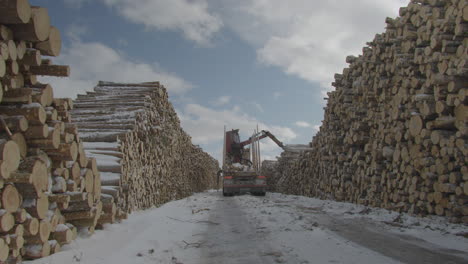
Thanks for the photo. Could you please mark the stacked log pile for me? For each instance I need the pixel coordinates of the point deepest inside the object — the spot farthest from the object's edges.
(145, 157)
(49, 188)
(395, 129)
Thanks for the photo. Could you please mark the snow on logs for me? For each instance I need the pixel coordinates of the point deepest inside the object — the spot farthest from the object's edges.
(49, 188)
(145, 157)
(394, 133)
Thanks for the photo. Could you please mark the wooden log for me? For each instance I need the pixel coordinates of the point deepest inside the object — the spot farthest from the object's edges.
(9, 156)
(31, 57)
(59, 185)
(35, 251)
(4, 250)
(15, 123)
(37, 132)
(18, 96)
(12, 52)
(53, 45)
(20, 215)
(85, 205)
(51, 70)
(68, 152)
(37, 207)
(20, 49)
(49, 144)
(415, 125)
(63, 234)
(82, 158)
(88, 176)
(31, 226)
(78, 215)
(10, 198)
(4, 52)
(31, 171)
(59, 198)
(7, 221)
(54, 246)
(43, 96)
(34, 113)
(19, 139)
(37, 29)
(74, 171)
(2, 69)
(15, 12)
(5, 33)
(115, 182)
(42, 235)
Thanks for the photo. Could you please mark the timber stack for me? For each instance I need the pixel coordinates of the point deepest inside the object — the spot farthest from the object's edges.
(394, 133)
(144, 156)
(49, 189)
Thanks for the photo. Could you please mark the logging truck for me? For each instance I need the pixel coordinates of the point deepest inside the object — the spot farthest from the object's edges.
(241, 164)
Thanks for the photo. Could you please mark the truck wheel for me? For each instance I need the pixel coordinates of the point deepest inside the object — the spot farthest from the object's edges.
(261, 194)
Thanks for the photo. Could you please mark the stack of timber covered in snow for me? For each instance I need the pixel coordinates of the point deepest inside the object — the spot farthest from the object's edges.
(394, 133)
(144, 156)
(49, 188)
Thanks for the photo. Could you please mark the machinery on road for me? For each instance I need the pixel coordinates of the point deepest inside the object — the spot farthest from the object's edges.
(241, 164)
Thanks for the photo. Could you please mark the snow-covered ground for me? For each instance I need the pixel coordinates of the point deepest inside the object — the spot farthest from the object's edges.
(209, 228)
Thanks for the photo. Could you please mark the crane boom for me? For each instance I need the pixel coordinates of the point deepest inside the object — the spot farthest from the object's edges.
(262, 134)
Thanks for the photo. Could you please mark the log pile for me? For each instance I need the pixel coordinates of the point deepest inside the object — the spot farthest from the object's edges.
(144, 156)
(394, 133)
(49, 189)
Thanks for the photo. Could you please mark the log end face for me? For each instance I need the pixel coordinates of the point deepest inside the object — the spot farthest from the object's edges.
(24, 10)
(42, 207)
(33, 227)
(44, 230)
(41, 21)
(10, 158)
(415, 125)
(465, 13)
(4, 252)
(11, 199)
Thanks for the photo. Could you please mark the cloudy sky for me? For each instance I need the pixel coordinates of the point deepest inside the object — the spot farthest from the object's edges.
(237, 63)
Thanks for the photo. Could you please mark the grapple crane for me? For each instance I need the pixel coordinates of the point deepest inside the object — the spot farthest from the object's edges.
(240, 173)
(235, 147)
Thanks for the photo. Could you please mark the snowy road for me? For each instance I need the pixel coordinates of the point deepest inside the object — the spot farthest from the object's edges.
(209, 228)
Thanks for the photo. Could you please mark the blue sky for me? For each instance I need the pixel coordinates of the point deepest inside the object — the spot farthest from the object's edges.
(235, 63)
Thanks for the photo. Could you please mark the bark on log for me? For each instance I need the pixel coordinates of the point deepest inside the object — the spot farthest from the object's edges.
(37, 29)
(51, 70)
(15, 12)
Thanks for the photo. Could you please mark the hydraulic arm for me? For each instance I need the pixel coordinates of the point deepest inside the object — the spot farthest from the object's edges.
(260, 135)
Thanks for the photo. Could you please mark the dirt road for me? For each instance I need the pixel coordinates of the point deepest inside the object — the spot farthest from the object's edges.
(208, 228)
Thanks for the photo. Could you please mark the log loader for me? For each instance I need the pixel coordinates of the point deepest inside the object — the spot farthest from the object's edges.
(241, 165)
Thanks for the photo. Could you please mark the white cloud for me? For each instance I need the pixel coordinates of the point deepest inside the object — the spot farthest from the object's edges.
(222, 100)
(206, 126)
(191, 17)
(276, 95)
(308, 39)
(93, 61)
(76, 31)
(122, 42)
(258, 107)
(302, 124)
